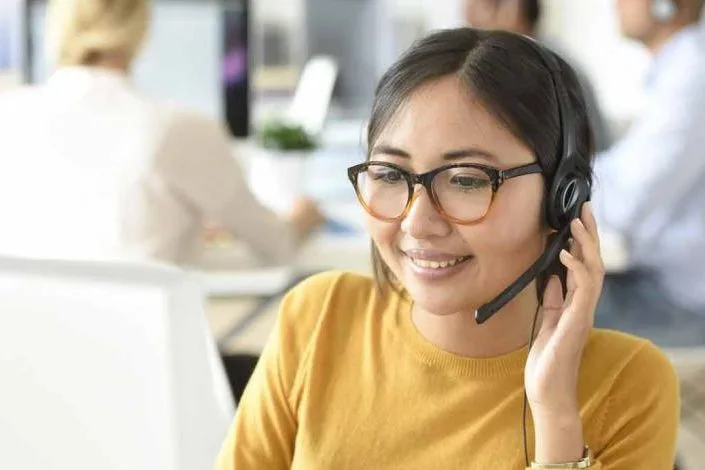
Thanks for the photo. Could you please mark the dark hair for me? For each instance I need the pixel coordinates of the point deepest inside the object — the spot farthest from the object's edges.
(531, 10)
(509, 77)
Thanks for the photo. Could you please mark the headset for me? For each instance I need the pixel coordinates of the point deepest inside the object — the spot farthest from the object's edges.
(570, 188)
(663, 11)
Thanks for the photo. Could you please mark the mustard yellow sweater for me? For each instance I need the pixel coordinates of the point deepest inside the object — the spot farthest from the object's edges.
(347, 382)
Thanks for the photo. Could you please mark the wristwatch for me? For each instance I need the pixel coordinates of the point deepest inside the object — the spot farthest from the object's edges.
(585, 462)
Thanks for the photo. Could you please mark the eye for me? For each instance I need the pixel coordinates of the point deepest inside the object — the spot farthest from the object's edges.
(385, 175)
(469, 182)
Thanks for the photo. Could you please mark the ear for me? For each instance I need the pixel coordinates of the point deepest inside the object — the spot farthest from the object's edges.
(509, 15)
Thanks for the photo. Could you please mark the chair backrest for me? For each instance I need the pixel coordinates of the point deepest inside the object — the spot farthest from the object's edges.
(107, 366)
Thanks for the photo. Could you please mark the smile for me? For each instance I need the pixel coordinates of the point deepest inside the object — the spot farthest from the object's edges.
(427, 264)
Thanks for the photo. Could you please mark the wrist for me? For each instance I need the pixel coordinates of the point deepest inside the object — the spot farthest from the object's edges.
(559, 437)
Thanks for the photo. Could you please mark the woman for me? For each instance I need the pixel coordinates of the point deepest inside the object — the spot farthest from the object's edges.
(90, 167)
(396, 372)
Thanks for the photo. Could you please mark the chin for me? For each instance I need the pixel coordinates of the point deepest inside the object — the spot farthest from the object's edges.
(443, 300)
(443, 308)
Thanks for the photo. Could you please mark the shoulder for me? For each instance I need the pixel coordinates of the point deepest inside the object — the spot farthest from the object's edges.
(632, 379)
(315, 312)
(329, 290)
(630, 398)
(326, 301)
(183, 118)
(188, 134)
(678, 71)
(194, 128)
(616, 356)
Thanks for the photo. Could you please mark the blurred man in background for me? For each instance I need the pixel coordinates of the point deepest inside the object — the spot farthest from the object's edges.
(650, 185)
(523, 17)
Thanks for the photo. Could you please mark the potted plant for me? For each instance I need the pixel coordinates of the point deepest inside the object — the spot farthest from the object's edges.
(278, 171)
(285, 138)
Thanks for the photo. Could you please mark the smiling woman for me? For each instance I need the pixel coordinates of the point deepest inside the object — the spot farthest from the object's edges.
(475, 139)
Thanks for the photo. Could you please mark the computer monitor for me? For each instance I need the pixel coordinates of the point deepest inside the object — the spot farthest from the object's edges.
(359, 34)
(197, 54)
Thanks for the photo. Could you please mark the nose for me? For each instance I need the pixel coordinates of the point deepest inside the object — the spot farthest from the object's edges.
(423, 220)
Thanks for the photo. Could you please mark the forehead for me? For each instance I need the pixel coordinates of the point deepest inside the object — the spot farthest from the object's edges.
(444, 116)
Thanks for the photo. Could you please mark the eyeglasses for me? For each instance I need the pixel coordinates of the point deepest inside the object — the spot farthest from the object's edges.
(461, 192)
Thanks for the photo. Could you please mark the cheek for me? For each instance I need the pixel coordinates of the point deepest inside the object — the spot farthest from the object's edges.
(512, 235)
(634, 18)
(385, 235)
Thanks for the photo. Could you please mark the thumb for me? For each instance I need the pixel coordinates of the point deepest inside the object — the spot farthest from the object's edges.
(552, 303)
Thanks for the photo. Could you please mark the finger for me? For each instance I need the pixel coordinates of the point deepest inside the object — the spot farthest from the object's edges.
(589, 250)
(588, 218)
(581, 300)
(576, 248)
(581, 293)
(552, 306)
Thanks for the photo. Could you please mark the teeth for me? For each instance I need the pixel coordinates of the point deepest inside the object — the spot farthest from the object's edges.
(437, 264)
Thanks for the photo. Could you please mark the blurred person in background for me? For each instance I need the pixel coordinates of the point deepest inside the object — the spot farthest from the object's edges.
(650, 185)
(523, 17)
(92, 168)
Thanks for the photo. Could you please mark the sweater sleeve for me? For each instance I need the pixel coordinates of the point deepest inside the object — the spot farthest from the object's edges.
(196, 161)
(642, 414)
(265, 425)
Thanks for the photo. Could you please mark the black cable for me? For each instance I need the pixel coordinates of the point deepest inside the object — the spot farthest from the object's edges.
(526, 399)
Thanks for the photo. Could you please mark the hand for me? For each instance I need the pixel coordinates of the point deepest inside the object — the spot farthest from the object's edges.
(215, 235)
(306, 216)
(552, 368)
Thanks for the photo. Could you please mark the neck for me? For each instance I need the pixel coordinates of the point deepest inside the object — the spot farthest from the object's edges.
(663, 35)
(116, 62)
(458, 333)
(526, 30)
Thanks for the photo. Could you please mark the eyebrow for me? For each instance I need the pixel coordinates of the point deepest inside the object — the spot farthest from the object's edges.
(451, 155)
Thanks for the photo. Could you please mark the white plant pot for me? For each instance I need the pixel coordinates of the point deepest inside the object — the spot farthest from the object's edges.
(277, 178)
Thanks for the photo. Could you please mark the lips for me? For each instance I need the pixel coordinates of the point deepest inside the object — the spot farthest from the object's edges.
(432, 259)
(431, 266)
(422, 263)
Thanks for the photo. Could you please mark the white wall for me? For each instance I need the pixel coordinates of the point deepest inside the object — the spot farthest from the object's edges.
(589, 32)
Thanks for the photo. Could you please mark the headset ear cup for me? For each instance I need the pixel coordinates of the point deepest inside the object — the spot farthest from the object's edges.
(568, 194)
(556, 211)
(552, 214)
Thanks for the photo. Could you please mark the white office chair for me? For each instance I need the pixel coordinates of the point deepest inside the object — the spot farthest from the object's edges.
(107, 366)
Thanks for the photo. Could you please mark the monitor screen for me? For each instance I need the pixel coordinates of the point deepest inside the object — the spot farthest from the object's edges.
(196, 54)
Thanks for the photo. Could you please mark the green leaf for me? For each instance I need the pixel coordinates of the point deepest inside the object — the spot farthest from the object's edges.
(278, 135)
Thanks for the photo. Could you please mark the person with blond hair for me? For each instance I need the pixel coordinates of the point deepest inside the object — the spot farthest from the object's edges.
(92, 168)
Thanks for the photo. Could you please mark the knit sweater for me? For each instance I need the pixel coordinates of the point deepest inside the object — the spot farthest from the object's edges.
(347, 382)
